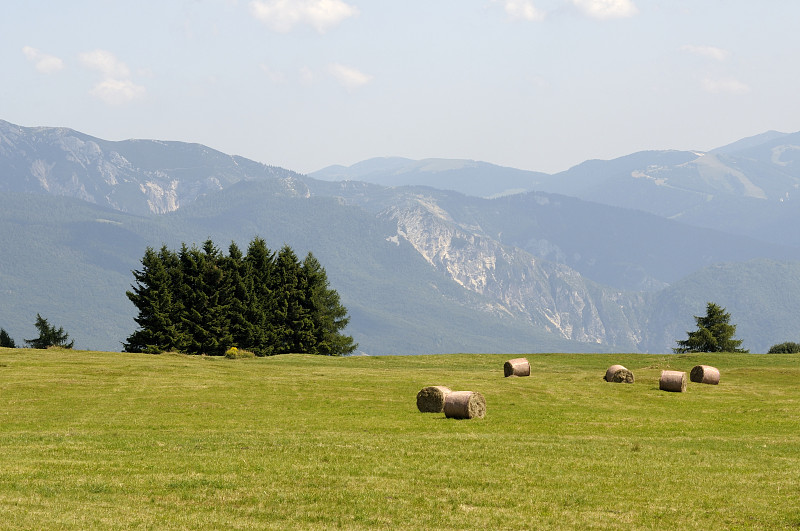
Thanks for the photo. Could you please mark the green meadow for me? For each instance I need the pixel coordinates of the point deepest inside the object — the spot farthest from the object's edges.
(93, 440)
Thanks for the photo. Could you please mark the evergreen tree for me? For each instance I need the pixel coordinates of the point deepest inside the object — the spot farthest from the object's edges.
(293, 324)
(152, 295)
(714, 333)
(201, 301)
(193, 300)
(172, 266)
(5, 339)
(239, 292)
(260, 267)
(203, 320)
(218, 291)
(49, 336)
(328, 315)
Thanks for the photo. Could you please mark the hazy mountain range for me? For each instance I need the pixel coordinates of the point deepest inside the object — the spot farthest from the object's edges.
(758, 176)
(429, 256)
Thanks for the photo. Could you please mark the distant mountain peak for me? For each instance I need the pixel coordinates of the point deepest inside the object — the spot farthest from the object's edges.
(751, 141)
(469, 177)
(137, 176)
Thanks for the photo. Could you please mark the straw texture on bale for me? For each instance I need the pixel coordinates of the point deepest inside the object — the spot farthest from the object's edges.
(464, 405)
(674, 381)
(618, 374)
(431, 399)
(517, 367)
(704, 374)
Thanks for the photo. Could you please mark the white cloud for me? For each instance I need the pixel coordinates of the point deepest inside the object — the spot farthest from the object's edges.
(283, 15)
(115, 87)
(349, 77)
(711, 52)
(523, 9)
(44, 63)
(117, 92)
(725, 86)
(106, 63)
(607, 9)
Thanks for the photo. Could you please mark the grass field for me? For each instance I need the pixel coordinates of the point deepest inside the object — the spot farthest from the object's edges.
(126, 441)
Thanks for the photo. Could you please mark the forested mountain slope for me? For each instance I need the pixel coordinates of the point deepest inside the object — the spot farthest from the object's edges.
(421, 270)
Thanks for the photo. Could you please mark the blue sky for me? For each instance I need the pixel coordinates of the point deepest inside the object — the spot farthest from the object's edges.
(534, 84)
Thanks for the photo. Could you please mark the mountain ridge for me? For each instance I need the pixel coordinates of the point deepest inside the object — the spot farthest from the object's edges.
(466, 176)
(733, 188)
(139, 176)
(421, 269)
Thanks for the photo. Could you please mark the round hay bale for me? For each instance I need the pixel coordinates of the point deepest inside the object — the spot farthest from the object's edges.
(704, 374)
(517, 367)
(674, 381)
(464, 405)
(431, 399)
(618, 374)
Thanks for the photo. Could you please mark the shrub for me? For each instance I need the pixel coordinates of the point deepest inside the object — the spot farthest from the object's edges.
(234, 353)
(785, 348)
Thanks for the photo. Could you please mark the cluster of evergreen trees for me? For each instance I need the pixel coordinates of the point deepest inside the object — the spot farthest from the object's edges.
(200, 301)
(49, 336)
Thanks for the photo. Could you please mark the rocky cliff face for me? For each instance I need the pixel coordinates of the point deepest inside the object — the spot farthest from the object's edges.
(550, 295)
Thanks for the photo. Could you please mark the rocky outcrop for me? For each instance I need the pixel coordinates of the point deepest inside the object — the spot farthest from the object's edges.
(549, 294)
(137, 176)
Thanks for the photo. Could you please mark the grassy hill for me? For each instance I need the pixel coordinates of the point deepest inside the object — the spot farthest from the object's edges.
(124, 441)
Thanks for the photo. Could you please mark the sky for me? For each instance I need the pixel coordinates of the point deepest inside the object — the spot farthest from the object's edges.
(302, 84)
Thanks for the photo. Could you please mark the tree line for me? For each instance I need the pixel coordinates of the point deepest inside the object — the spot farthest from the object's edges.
(214, 302)
(49, 336)
(202, 301)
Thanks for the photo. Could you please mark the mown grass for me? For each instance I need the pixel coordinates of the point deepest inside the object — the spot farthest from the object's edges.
(125, 441)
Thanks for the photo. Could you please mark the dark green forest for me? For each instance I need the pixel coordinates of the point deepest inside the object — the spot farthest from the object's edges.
(202, 301)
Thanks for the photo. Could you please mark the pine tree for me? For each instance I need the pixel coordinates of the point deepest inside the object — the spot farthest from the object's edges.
(328, 315)
(200, 301)
(5, 339)
(202, 291)
(239, 298)
(260, 268)
(218, 291)
(153, 297)
(174, 272)
(193, 299)
(714, 333)
(49, 336)
(293, 323)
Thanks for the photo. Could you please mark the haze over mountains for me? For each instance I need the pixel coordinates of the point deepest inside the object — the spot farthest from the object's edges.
(758, 176)
(428, 256)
